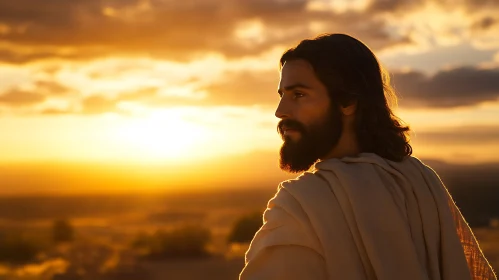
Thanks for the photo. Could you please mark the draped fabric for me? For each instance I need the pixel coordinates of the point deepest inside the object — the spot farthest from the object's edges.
(365, 217)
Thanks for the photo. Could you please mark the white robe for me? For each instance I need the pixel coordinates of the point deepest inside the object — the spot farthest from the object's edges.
(365, 217)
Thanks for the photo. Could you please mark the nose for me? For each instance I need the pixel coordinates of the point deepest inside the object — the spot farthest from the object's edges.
(283, 110)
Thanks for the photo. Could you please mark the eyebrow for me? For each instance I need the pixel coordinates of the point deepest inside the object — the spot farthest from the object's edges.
(293, 86)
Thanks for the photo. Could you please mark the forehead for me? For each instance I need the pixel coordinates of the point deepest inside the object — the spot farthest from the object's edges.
(297, 71)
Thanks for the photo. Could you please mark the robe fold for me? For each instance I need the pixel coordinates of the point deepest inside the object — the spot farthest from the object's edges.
(365, 217)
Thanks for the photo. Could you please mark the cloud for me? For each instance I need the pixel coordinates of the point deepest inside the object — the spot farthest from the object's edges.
(484, 30)
(97, 104)
(463, 86)
(145, 97)
(140, 94)
(21, 98)
(54, 111)
(34, 93)
(52, 88)
(153, 97)
(172, 29)
(462, 135)
(244, 88)
(186, 30)
(235, 88)
(484, 23)
(394, 5)
(14, 55)
(457, 87)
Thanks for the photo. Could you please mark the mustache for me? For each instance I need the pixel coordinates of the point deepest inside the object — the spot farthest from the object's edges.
(290, 124)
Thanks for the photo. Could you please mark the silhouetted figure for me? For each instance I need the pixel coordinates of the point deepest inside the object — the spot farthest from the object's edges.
(363, 208)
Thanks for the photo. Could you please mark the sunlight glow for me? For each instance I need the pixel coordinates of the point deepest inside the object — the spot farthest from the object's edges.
(160, 136)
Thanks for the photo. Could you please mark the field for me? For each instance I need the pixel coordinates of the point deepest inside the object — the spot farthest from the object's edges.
(107, 227)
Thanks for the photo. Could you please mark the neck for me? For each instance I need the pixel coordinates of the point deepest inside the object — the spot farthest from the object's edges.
(347, 146)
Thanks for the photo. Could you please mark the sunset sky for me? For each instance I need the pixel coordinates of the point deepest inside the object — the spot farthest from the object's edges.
(179, 82)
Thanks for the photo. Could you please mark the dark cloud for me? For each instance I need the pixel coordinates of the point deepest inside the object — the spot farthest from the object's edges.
(20, 98)
(464, 86)
(170, 29)
(484, 23)
(463, 135)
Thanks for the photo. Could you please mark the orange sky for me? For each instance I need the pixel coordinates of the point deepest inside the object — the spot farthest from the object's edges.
(167, 83)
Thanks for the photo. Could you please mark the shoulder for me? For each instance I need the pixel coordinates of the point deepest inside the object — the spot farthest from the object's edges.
(295, 196)
(301, 200)
(304, 179)
(424, 168)
(286, 221)
(292, 194)
(303, 186)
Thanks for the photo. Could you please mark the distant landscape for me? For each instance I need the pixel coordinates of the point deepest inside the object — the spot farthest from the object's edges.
(113, 235)
(106, 228)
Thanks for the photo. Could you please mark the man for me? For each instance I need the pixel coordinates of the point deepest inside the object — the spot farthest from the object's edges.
(367, 209)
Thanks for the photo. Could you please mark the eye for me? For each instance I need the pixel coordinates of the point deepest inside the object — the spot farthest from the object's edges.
(298, 94)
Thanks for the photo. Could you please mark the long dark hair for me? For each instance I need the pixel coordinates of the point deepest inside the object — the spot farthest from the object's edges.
(351, 72)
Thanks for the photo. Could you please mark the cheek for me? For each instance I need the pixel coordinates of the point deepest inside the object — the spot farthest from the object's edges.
(308, 119)
(314, 112)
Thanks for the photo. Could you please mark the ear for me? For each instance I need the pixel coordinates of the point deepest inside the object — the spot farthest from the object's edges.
(350, 109)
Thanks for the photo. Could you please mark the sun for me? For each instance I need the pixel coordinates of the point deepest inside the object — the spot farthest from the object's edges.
(161, 136)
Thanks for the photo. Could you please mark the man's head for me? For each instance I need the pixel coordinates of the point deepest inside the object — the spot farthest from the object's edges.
(330, 86)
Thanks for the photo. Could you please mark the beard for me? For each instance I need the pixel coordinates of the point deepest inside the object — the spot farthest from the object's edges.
(315, 141)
